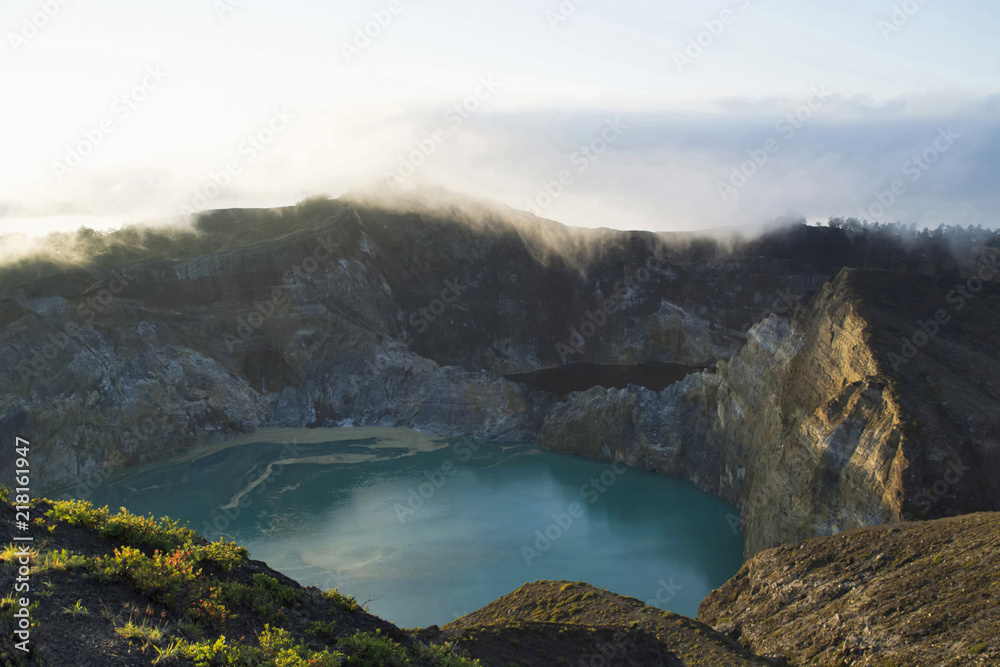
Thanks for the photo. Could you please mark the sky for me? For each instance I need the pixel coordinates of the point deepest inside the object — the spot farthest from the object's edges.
(659, 115)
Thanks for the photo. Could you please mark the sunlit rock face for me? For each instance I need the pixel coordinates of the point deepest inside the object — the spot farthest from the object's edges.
(350, 312)
(793, 428)
(804, 429)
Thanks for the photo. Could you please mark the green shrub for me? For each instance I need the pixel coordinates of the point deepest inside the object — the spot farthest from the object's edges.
(170, 579)
(277, 649)
(165, 578)
(321, 629)
(442, 656)
(281, 650)
(374, 650)
(220, 653)
(345, 602)
(270, 587)
(61, 560)
(146, 532)
(224, 555)
(78, 513)
(141, 633)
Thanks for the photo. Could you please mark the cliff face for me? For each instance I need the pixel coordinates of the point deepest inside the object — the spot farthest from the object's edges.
(804, 428)
(338, 313)
(347, 312)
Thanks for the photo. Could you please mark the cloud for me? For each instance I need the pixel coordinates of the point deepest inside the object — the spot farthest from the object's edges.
(663, 172)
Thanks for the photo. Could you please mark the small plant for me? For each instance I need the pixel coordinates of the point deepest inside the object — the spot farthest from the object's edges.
(172, 650)
(78, 513)
(61, 561)
(285, 595)
(345, 602)
(219, 653)
(77, 610)
(160, 576)
(190, 628)
(321, 629)
(281, 648)
(373, 650)
(224, 555)
(11, 553)
(441, 656)
(144, 633)
(146, 532)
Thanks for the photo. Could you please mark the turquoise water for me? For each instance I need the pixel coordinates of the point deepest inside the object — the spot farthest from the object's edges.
(428, 529)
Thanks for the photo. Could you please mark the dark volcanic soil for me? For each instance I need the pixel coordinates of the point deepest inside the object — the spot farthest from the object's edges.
(913, 594)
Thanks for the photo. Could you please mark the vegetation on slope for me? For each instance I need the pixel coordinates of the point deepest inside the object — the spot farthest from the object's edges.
(116, 589)
(120, 589)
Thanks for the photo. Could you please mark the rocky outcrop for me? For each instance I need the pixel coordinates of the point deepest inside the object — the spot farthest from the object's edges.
(335, 313)
(914, 594)
(586, 625)
(803, 428)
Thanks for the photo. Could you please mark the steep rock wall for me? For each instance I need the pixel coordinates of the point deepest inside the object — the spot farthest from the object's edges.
(798, 428)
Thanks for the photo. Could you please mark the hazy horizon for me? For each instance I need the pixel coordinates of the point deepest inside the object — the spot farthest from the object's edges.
(638, 115)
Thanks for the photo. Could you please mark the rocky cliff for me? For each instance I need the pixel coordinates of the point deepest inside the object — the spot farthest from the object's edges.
(398, 312)
(798, 428)
(921, 593)
(809, 428)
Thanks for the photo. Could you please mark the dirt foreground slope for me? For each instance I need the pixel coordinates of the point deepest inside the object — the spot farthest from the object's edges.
(922, 593)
